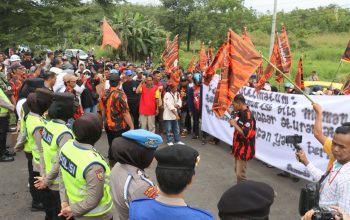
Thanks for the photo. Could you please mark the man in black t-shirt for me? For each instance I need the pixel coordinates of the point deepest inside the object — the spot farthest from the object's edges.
(129, 88)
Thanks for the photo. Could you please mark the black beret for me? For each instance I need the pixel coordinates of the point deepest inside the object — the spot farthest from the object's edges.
(114, 78)
(247, 199)
(62, 106)
(177, 157)
(34, 82)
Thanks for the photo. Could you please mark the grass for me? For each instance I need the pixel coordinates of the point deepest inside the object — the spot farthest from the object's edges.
(321, 53)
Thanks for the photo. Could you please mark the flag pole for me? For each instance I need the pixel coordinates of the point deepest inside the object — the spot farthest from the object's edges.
(291, 81)
(336, 73)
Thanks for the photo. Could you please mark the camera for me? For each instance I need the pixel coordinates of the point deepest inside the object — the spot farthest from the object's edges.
(325, 214)
(295, 140)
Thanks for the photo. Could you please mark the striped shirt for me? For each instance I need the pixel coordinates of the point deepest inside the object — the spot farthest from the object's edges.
(335, 189)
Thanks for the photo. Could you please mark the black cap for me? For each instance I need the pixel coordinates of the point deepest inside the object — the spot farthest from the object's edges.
(248, 199)
(114, 78)
(34, 82)
(177, 157)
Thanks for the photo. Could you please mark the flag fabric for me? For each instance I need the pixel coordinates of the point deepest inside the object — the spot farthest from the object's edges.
(210, 55)
(346, 86)
(299, 78)
(109, 37)
(202, 59)
(240, 61)
(171, 54)
(259, 71)
(275, 59)
(246, 37)
(286, 56)
(214, 65)
(346, 56)
(190, 67)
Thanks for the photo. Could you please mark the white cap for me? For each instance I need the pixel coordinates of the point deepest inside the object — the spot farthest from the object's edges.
(14, 58)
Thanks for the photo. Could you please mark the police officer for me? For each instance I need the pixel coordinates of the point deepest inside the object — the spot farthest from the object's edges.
(175, 172)
(133, 152)
(85, 192)
(54, 136)
(38, 103)
(29, 86)
(5, 107)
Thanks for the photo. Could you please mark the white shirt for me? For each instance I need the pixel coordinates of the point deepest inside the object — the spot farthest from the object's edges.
(170, 100)
(19, 107)
(335, 189)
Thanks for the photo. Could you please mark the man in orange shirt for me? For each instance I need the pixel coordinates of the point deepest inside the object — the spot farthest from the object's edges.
(16, 81)
(115, 111)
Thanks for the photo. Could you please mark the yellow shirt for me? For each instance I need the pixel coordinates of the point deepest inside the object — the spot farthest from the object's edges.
(327, 147)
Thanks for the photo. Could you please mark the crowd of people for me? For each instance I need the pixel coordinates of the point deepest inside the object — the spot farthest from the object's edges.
(63, 105)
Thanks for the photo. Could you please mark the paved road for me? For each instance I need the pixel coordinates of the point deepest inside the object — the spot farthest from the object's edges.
(213, 176)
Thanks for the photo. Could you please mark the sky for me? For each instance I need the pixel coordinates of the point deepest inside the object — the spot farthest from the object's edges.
(265, 5)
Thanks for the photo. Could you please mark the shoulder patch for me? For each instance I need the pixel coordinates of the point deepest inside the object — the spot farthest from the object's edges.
(151, 192)
(99, 174)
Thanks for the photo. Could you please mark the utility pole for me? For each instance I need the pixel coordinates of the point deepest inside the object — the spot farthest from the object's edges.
(273, 29)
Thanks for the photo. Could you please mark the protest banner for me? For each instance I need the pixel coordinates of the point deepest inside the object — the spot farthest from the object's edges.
(278, 115)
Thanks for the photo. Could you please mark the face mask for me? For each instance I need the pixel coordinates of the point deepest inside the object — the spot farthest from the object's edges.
(87, 76)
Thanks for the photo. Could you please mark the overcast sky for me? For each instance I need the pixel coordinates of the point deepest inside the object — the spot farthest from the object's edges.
(264, 5)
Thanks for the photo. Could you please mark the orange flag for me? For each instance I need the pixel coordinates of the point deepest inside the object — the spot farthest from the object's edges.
(171, 54)
(346, 56)
(202, 59)
(109, 36)
(286, 56)
(299, 78)
(190, 67)
(346, 86)
(242, 60)
(215, 64)
(210, 55)
(275, 59)
(246, 37)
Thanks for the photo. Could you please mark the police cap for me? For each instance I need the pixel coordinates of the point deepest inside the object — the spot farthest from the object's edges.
(145, 138)
(248, 199)
(177, 157)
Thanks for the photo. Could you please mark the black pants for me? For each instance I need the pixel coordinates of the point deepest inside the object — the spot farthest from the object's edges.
(110, 136)
(159, 121)
(52, 204)
(188, 123)
(135, 113)
(4, 124)
(196, 129)
(34, 192)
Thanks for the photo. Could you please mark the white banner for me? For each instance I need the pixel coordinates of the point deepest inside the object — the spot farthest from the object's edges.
(278, 115)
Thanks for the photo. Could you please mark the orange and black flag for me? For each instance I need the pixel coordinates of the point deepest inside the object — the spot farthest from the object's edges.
(202, 59)
(190, 67)
(214, 65)
(246, 37)
(346, 56)
(286, 55)
(275, 59)
(240, 61)
(346, 86)
(109, 37)
(299, 78)
(171, 55)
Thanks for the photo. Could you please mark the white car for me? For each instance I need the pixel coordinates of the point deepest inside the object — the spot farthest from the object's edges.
(69, 53)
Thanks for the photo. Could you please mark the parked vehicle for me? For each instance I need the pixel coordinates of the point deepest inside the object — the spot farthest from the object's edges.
(69, 53)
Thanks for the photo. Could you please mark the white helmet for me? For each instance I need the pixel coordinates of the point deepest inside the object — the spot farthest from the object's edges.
(14, 58)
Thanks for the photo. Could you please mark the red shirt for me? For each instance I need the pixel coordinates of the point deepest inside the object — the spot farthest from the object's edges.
(16, 84)
(148, 102)
(244, 145)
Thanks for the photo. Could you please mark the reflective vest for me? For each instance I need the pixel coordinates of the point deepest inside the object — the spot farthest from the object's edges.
(33, 123)
(27, 148)
(51, 137)
(74, 161)
(4, 97)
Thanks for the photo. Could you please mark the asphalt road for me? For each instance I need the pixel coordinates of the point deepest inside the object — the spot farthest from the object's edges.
(213, 176)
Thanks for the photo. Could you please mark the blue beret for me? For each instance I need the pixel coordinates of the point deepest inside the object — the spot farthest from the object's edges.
(145, 138)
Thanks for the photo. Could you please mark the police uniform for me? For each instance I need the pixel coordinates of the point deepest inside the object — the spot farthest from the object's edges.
(176, 157)
(84, 173)
(128, 181)
(54, 136)
(5, 107)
